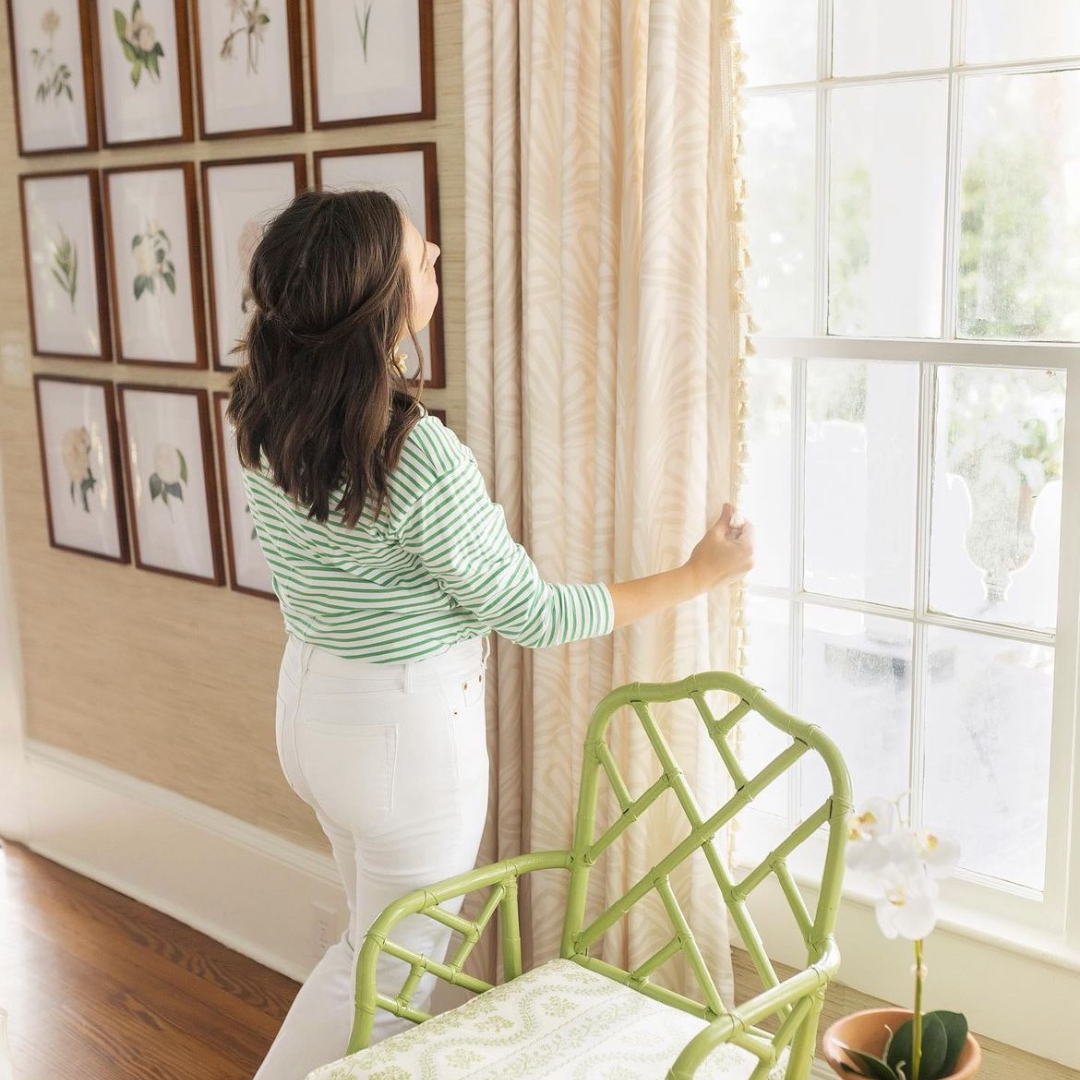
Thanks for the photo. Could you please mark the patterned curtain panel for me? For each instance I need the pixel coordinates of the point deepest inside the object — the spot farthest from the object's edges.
(605, 338)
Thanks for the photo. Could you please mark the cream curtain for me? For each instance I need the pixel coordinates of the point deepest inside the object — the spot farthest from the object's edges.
(605, 335)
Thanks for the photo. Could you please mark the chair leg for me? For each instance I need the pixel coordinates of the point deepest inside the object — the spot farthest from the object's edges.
(804, 1044)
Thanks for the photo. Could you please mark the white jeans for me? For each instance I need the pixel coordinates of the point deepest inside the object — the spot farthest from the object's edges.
(393, 760)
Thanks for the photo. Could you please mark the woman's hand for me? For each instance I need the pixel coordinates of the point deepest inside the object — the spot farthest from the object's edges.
(724, 553)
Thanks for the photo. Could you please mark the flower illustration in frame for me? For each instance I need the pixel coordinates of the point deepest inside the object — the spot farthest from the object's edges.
(152, 263)
(364, 24)
(169, 475)
(139, 42)
(253, 23)
(64, 259)
(55, 77)
(75, 445)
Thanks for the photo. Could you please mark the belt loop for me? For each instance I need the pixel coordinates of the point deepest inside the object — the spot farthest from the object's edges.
(407, 676)
(485, 650)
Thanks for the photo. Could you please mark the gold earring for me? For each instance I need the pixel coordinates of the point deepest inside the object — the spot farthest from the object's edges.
(400, 360)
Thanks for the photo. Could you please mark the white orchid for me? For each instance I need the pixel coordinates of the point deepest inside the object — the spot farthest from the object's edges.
(904, 866)
(869, 832)
(906, 905)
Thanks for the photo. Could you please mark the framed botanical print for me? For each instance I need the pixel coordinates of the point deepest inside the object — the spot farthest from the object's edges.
(172, 493)
(249, 571)
(239, 198)
(247, 56)
(80, 466)
(372, 61)
(52, 72)
(408, 173)
(155, 273)
(143, 70)
(65, 265)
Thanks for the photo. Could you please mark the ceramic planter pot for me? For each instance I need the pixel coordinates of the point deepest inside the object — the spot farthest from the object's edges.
(868, 1031)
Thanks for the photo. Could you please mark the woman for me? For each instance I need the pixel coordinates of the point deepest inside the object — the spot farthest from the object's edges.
(391, 565)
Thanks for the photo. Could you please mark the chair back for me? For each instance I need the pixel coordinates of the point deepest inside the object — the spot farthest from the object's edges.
(581, 933)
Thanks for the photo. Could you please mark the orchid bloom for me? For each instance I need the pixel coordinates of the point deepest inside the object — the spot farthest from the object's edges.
(906, 907)
(869, 831)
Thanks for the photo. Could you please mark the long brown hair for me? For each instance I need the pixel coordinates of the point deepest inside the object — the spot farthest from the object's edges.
(318, 394)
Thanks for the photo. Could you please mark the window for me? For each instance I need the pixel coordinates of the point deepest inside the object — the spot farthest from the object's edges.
(913, 217)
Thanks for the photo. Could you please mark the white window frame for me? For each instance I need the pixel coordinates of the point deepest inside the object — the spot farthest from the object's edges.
(982, 922)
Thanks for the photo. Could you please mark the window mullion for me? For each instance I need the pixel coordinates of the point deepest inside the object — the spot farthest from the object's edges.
(821, 169)
(921, 632)
(797, 568)
(951, 247)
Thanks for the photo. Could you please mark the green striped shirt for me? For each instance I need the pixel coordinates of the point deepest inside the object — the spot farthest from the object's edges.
(436, 567)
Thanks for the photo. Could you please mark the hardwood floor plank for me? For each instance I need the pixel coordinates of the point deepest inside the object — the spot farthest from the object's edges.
(101, 987)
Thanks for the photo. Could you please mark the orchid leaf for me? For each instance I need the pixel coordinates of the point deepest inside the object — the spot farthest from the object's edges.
(956, 1032)
(870, 1066)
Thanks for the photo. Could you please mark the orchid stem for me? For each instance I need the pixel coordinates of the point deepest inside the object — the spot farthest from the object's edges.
(916, 1034)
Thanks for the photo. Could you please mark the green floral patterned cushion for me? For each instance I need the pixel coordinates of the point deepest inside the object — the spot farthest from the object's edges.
(557, 1022)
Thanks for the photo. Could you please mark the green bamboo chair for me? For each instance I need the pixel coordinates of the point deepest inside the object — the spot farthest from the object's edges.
(795, 1002)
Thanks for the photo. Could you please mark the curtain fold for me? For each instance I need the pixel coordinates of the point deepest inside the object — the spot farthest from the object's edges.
(604, 340)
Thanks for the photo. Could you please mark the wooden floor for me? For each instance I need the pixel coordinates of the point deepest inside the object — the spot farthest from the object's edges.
(100, 987)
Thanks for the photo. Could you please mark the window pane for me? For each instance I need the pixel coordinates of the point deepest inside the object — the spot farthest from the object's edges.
(768, 625)
(987, 759)
(857, 687)
(778, 165)
(779, 58)
(887, 209)
(996, 525)
(872, 37)
(1020, 30)
(862, 430)
(765, 498)
(1019, 274)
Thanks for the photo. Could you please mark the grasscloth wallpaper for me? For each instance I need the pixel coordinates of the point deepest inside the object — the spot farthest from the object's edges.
(173, 681)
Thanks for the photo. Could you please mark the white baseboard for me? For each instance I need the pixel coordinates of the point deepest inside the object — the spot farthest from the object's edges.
(238, 884)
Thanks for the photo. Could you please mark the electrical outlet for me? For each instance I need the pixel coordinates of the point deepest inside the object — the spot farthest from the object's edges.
(324, 929)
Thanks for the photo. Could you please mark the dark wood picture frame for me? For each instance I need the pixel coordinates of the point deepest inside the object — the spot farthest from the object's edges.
(117, 478)
(183, 62)
(427, 73)
(206, 442)
(431, 213)
(101, 269)
(194, 260)
(296, 78)
(89, 85)
(223, 478)
(299, 162)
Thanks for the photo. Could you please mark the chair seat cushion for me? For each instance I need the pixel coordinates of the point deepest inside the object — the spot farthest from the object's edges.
(557, 1022)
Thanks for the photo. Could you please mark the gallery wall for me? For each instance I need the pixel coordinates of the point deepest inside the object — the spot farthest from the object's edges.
(171, 679)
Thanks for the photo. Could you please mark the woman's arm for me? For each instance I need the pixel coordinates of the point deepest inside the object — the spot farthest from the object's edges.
(725, 553)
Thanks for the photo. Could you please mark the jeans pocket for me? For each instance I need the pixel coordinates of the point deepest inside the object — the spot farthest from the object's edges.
(350, 769)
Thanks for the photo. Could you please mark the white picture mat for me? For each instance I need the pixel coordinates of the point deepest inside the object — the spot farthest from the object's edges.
(53, 204)
(64, 406)
(234, 196)
(151, 110)
(56, 122)
(159, 325)
(176, 536)
(388, 83)
(400, 174)
(250, 569)
(233, 98)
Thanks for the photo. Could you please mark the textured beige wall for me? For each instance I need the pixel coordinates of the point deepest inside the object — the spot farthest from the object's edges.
(173, 681)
